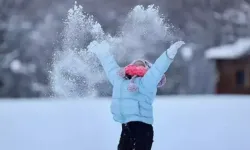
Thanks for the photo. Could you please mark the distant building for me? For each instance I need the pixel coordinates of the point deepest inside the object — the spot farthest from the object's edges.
(233, 67)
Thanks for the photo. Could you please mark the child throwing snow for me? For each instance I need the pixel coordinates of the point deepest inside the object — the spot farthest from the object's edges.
(134, 90)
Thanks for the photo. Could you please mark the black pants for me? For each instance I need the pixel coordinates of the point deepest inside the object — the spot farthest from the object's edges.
(136, 136)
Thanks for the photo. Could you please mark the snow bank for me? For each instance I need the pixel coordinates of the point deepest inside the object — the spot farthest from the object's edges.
(181, 123)
(229, 51)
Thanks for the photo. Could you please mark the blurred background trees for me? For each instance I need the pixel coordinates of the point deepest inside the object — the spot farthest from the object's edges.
(30, 33)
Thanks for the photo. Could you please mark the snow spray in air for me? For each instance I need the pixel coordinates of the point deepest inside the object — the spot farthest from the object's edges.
(76, 72)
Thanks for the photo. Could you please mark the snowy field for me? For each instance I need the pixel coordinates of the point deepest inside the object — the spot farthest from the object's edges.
(181, 123)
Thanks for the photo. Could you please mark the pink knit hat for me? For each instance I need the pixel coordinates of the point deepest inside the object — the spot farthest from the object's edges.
(132, 86)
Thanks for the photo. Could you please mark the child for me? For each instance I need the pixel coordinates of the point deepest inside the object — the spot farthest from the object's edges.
(134, 89)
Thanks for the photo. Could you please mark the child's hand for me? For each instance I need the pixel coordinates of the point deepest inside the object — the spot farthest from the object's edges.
(98, 47)
(173, 49)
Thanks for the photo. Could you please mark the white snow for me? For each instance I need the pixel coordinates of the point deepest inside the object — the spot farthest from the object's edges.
(229, 51)
(181, 123)
(15, 65)
(187, 52)
(236, 16)
(239, 16)
(140, 32)
(18, 67)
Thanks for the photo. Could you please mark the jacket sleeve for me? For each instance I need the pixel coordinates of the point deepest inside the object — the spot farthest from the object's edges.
(109, 65)
(155, 73)
(161, 65)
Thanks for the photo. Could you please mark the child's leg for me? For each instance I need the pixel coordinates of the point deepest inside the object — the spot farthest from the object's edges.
(125, 142)
(143, 135)
(136, 136)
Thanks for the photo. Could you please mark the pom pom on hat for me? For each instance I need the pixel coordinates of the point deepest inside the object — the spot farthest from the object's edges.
(162, 81)
(132, 87)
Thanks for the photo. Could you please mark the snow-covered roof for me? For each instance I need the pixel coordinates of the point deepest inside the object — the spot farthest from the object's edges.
(230, 51)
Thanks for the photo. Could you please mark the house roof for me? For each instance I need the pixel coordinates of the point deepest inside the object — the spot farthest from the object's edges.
(230, 51)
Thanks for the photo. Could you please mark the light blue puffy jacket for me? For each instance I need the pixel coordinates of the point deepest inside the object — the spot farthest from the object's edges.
(130, 106)
(134, 106)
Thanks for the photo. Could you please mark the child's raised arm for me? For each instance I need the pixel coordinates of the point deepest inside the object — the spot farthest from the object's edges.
(161, 65)
(108, 62)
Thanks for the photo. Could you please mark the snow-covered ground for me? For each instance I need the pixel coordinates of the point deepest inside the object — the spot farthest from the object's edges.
(181, 123)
